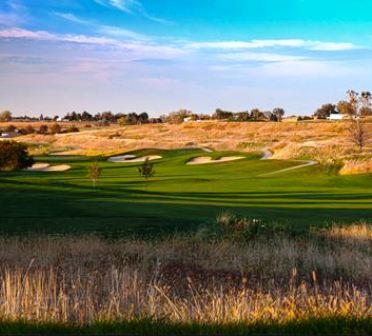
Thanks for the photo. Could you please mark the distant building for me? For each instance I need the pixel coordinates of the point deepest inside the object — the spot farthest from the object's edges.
(336, 116)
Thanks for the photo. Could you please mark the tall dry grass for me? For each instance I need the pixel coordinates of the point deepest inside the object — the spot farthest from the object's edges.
(352, 167)
(288, 140)
(187, 279)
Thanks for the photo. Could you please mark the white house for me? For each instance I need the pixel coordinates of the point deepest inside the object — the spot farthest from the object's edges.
(335, 116)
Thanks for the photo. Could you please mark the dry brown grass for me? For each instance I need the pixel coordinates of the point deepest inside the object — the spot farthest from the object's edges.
(186, 279)
(288, 140)
(352, 167)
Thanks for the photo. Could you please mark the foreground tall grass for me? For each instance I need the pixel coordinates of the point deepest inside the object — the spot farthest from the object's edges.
(189, 280)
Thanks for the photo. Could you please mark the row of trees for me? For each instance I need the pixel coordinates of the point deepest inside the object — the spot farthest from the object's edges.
(253, 115)
(176, 117)
(356, 104)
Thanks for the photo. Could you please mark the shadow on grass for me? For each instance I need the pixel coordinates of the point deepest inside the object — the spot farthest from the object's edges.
(311, 326)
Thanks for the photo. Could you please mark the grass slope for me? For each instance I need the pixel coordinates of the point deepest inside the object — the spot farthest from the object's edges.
(179, 197)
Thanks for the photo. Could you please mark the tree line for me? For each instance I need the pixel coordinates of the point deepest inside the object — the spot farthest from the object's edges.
(356, 104)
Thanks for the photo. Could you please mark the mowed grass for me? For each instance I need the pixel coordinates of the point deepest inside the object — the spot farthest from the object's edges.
(179, 197)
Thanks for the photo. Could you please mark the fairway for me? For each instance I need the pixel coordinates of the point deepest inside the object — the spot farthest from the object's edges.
(179, 197)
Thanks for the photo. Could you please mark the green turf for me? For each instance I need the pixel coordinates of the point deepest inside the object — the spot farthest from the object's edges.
(179, 197)
(313, 326)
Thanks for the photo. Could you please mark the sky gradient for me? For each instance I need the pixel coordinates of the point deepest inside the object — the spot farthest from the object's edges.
(158, 56)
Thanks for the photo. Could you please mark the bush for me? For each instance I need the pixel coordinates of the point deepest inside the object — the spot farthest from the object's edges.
(10, 128)
(5, 116)
(72, 129)
(55, 128)
(13, 156)
(43, 129)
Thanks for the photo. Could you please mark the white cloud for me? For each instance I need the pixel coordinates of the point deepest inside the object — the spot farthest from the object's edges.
(285, 43)
(72, 17)
(260, 57)
(121, 32)
(139, 48)
(102, 29)
(132, 7)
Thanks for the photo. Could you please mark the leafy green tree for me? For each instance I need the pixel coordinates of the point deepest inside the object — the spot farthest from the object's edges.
(14, 155)
(94, 172)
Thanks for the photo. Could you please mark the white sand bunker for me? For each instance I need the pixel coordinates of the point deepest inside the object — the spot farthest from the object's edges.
(208, 160)
(133, 158)
(46, 167)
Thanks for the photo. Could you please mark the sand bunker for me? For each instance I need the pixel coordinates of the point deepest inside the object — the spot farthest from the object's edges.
(46, 167)
(208, 160)
(133, 158)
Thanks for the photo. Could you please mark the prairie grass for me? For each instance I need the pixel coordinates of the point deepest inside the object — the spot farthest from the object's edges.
(320, 140)
(352, 167)
(188, 279)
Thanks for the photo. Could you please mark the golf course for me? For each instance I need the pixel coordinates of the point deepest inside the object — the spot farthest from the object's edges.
(179, 197)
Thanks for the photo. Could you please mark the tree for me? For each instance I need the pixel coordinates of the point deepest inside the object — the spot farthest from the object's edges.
(242, 116)
(366, 98)
(358, 133)
(256, 114)
(14, 155)
(94, 172)
(346, 108)
(143, 118)
(178, 116)
(5, 116)
(365, 111)
(221, 114)
(279, 113)
(325, 111)
(123, 121)
(147, 169)
(353, 99)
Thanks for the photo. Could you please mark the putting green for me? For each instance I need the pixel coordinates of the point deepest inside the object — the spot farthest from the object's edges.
(179, 196)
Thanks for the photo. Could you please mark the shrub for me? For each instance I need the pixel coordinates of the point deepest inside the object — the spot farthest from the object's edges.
(55, 128)
(30, 129)
(14, 155)
(10, 128)
(43, 129)
(72, 129)
(5, 116)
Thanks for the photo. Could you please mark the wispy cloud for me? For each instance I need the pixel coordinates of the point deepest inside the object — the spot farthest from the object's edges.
(260, 57)
(121, 32)
(117, 32)
(283, 43)
(132, 7)
(139, 47)
(15, 14)
(128, 6)
(72, 18)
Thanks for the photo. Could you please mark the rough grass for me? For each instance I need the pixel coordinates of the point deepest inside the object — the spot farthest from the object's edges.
(352, 167)
(189, 283)
(289, 140)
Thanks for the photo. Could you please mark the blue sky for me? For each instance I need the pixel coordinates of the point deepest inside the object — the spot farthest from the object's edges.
(161, 55)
